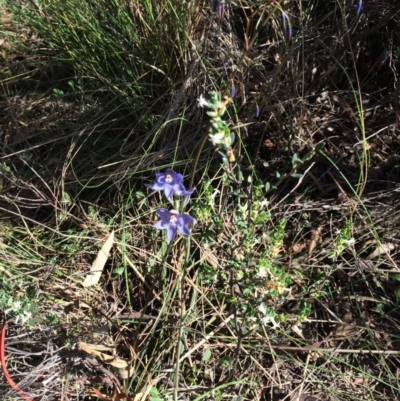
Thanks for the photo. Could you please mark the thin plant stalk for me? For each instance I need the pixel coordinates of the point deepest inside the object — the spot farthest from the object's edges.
(182, 307)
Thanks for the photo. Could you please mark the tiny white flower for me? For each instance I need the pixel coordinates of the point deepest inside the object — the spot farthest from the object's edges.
(262, 272)
(26, 316)
(270, 319)
(215, 193)
(16, 305)
(262, 308)
(202, 102)
(217, 139)
(350, 241)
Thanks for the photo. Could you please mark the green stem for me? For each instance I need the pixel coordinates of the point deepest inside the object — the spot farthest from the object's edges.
(197, 158)
(181, 286)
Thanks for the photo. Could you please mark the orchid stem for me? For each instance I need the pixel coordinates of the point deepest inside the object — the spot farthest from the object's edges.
(182, 307)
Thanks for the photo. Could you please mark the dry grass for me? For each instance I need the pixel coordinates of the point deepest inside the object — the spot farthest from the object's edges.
(81, 131)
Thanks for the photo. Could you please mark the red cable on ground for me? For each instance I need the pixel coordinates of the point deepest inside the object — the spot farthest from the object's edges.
(4, 367)
(11, 382)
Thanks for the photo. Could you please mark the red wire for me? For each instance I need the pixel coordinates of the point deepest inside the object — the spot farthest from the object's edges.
(11, 382)
(4, 367)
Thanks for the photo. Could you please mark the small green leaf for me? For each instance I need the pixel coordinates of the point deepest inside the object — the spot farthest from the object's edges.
(67, 199)
(319, 146)
(258, 183)
(207, 355)
(277, 174)
(155, 395)
(397, 294)
(239, 176)
(231, 299)
(239, 275)
(295, 158)
(57, 92)
(156, 398)
(225, 161)
(139, 195)
(263, 217)
(267, 186)
(296, 175)
(307, 157)
(395, 276)
(212, 113)
(226, 361)
(247, 291)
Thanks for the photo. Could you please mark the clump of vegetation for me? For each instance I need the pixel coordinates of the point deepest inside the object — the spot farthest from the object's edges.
(261, 263)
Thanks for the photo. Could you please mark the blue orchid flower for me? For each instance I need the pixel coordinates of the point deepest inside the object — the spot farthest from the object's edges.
(221, 10)
(232, 91)
(171, 183)
(359, 7)
(215, 6)
(172, 221)
(219, 5)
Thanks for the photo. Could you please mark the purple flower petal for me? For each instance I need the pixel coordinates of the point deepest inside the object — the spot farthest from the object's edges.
(168, 191)
(159, 225)
(221, 10)
(184, 219)
(215, 6)
(160, 178)
(171, 232)
(289, 32)
(184, 230)
(189, 192)
(182, 191)
(233, 91)
(283, 19)
(179, 189)
(164, 215)
(359, 7)
(155, 186)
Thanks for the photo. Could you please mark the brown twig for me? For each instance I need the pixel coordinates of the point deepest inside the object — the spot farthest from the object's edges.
(10, 381)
